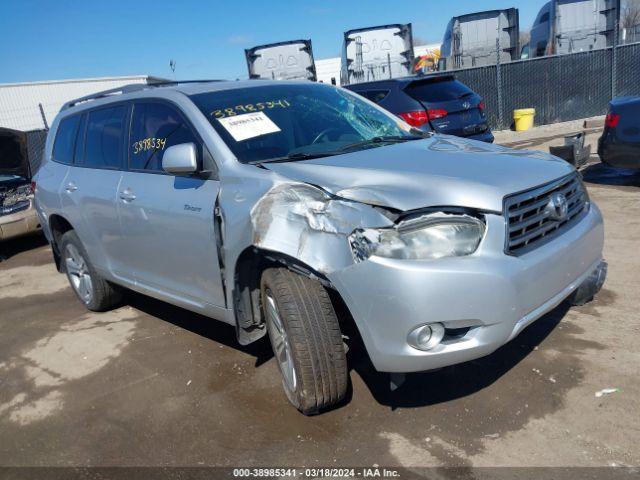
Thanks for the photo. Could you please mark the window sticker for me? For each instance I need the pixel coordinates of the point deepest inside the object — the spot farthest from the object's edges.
(250, 107)
(249, 125)
(150, 143)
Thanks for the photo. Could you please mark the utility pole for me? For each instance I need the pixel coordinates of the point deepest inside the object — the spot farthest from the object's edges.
(44, 118)
(499, 83)
(614, 59)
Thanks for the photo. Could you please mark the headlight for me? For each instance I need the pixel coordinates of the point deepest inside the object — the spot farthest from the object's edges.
(432, 236)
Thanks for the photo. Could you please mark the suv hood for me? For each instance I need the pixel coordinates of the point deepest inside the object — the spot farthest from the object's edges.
(14, 158)
(439, 171)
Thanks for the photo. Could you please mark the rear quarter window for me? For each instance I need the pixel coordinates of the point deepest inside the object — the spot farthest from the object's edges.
(104, 140)
(375, 96)
(435, 91)
(64, 144)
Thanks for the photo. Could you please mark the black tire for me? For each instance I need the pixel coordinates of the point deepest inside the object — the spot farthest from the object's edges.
(314, 338)
(104, 295)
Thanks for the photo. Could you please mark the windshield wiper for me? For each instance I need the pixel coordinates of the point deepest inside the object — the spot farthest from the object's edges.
(292, 157)
(383, 139)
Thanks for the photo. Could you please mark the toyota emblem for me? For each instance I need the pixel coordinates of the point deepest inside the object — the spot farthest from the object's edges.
(558, 207)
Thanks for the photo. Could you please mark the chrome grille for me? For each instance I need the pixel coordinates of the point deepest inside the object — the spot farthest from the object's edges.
(530, 218)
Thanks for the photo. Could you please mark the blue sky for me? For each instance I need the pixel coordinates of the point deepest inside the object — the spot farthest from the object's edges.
(50, 40)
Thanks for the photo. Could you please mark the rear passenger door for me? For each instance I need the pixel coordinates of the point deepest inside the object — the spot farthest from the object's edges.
(90, 189)
(168, 221)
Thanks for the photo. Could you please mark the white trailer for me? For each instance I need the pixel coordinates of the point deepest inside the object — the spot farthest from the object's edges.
(471, 40)
(570, 26)
(291, 60)
(376, 53)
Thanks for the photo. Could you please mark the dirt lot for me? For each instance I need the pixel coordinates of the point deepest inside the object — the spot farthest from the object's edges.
(150, 384)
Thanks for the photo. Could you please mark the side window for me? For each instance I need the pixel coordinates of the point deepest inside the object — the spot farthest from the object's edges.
(541, 49)
(376, 96)
(155, 127)
(104, 140)
(544, 18)
(64, 144)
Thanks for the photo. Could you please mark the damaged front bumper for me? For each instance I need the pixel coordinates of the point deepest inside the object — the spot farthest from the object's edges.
(483, 300)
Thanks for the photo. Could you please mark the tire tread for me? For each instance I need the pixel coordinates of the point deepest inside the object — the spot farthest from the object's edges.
(315, 337)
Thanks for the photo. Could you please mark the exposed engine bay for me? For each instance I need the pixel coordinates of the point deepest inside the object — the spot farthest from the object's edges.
(15, 196)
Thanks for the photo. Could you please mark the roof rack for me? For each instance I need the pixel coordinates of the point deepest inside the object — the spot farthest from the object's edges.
(132, 87)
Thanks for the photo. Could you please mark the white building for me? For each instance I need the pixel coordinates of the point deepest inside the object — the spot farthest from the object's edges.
(20, 102)
(328, 69)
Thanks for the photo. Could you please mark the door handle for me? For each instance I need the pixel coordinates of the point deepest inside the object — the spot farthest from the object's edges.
(71, 187)
(127, 195)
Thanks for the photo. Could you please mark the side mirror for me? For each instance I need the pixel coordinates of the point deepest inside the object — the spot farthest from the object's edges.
(180, 159)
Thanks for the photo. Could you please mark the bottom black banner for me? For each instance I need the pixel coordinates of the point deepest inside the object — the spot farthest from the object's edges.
(401, 473)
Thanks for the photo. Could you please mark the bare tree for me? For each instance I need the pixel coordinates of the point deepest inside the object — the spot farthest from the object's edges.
(525, 36)
(630, 14)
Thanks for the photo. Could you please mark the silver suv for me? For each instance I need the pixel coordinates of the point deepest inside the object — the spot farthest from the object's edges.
(273, 205)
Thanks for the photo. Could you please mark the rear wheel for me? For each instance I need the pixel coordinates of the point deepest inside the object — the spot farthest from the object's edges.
(96, 293)
(306, 340)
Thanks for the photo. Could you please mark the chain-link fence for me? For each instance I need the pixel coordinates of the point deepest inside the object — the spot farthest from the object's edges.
(560, 87)
(36, 140)
(32, 121)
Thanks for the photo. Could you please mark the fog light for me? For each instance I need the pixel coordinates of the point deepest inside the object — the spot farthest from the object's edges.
(426, 337)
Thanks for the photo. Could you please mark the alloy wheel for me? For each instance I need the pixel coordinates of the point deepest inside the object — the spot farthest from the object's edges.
(78, 273)
(280, 342)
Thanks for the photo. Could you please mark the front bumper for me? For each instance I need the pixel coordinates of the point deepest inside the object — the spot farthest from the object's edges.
(494, 295)
(19, 223)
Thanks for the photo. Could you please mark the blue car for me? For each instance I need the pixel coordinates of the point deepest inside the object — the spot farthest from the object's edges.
(619, 145)
(437, 103)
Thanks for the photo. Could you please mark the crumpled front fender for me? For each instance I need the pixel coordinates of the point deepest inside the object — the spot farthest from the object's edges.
(310, 225)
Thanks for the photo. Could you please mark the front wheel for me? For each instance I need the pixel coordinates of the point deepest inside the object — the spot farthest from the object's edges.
(306, 340)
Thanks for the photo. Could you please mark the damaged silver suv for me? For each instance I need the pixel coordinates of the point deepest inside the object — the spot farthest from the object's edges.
(266, 204)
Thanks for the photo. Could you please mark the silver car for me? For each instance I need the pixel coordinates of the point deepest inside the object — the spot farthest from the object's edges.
(273, 205)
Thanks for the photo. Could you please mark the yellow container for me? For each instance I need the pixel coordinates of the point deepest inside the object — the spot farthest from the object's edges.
(523, 118)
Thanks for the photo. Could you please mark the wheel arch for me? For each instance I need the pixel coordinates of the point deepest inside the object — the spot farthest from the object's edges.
(58, 226)
(250, 265)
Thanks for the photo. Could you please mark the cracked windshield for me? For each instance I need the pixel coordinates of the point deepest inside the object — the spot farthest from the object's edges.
(298, 122)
